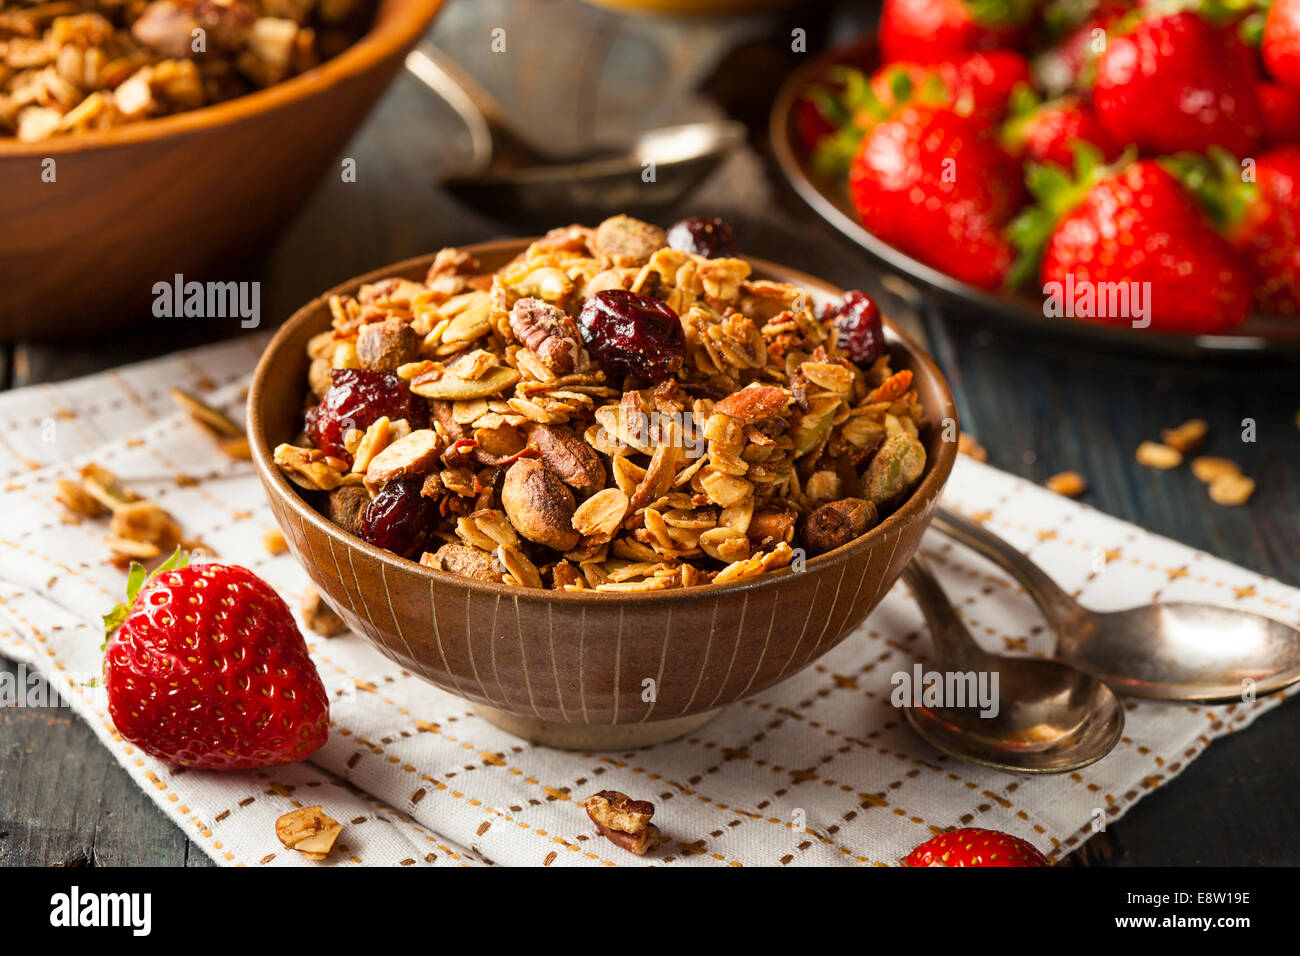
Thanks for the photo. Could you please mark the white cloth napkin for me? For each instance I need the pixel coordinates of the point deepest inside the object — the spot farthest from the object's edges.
(821, 769)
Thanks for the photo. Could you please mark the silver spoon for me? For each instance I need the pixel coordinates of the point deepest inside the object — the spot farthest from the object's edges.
(1050, 717)
(509, 179)
(1179, 650)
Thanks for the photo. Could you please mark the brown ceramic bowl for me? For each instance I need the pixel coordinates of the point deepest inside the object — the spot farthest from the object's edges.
(192, 194)
(567, 668)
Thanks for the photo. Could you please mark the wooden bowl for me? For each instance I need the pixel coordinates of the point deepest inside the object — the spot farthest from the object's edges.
(568, 668)
(194, 193)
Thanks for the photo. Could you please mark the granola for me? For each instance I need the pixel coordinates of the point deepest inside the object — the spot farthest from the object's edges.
(603, 412)
(75, 66)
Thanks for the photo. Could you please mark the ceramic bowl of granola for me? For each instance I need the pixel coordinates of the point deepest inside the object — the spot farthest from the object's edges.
(603, 483)
(127, 158)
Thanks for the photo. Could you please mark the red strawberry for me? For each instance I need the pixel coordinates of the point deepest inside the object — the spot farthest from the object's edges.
(979, 82)
(205, 668)
(1134, 227)
(1177, 82)
(1068, 64)
(1281, 109)
(972, 846)
(938, 186)
(1269, 231)
(1281, 43)
(1257, 207)
(925, 31)
(1049, 132)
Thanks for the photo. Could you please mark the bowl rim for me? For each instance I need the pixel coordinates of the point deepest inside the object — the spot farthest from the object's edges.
(928, 491)
(397, 23)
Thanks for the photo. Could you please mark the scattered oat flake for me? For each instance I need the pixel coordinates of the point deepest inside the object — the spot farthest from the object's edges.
(1067, 483)
(1206, 469)
(310, 831)
(1155, 455)
(1187, 437)
(274, 543)
(966, 445)
(1231, 489)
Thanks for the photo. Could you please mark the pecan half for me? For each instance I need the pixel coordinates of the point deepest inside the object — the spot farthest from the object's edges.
(623, 821)
(386, 346)
(539, 505)
(837, 523)
(626, 242)
(548, 332)
(570, 458)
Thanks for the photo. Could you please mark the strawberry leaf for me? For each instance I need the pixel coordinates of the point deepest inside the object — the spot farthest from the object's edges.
(1216, 181)
(136, 579)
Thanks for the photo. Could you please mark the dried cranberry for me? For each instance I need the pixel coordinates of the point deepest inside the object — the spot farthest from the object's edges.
(703, 236)
(357, 399)
(399, 518)
(858, 319)
(632, 334)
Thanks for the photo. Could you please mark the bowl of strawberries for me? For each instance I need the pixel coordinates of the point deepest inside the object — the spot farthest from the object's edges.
(1126, 172)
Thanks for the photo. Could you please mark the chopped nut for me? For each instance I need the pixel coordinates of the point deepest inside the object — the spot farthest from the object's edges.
(753, 403)
(1207, 469)
(307, 469)
(1155, 455)
(520, 569)
(837, 523)
(388, 345)
(625, 241)
(1187, 437)
(550, 333)
(347, 506)
(77, 500)
(539, 505)
(319, 617)
(966, 445)
(767, 526)
(145, 522)
(623, 821)
(1067, 483)
(309, 831)
(274, 543)
(568, 457)
(416, 454)
(895, 470)
(1231, 490)
(466, 561)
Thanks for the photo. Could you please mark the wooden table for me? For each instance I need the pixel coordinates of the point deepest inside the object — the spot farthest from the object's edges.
(1039, 407)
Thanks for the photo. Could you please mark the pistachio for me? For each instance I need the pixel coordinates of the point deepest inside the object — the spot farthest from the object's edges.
(896, 467)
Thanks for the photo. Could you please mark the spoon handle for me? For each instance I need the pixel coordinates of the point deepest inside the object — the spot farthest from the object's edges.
(1059, 607)
(953, 644)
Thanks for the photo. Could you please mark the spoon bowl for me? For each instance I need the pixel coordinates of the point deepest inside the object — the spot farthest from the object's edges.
(1050, 717)
(1175, 651)
(1213, 653)
(507, 178)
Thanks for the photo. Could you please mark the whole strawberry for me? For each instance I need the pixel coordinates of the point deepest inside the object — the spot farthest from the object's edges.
(1049, 132)
(1280, 43)
(1177, 82)
(973, 846)
(929, 30)
(1138, 231)
(1281, 108)
(205, 668)
(938, 186)
(1259, 214)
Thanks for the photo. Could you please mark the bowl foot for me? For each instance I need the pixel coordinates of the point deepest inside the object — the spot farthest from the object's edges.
(595, 736)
